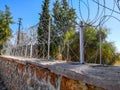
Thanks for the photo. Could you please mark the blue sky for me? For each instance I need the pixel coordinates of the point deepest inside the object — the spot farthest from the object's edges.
(28, 10)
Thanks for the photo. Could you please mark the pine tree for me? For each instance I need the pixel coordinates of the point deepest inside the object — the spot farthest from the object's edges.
(5, 21)
(64, 18)
(43, 25)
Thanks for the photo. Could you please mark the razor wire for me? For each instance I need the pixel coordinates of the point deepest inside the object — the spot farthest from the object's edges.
(28, 46)
(102, 13)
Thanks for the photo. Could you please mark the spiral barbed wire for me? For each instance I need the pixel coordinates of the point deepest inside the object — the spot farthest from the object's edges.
(93, 13)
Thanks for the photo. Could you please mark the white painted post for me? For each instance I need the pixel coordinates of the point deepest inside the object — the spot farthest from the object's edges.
(26, 51)
(31, 46)
(81, 38)
(49, 38)
(31, 49)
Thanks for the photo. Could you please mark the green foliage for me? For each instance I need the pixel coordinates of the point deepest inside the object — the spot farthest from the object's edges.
(43, 25)
(91, 36)
(66, 38)
(64, 18)
(5, 21)
(44, 18)
(109, 53)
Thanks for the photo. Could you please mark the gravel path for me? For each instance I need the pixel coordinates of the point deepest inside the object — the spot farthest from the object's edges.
(2, 86)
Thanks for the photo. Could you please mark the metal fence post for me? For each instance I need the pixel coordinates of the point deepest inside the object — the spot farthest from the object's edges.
(81, 38)
(49, 37)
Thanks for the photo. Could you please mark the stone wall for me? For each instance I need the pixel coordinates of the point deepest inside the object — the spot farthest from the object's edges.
(21, 74)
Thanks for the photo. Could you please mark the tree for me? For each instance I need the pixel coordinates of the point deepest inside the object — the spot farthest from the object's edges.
(43, 26)
(5, 30)
(64, 18)
(91, 44)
